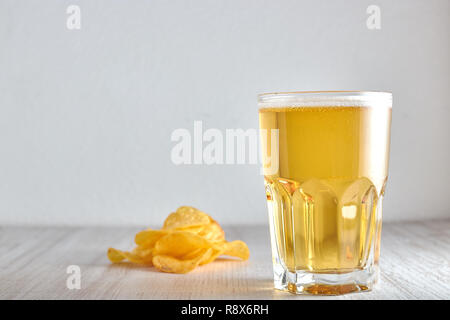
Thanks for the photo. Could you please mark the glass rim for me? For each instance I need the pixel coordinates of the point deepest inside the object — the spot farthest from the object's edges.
(325, 99)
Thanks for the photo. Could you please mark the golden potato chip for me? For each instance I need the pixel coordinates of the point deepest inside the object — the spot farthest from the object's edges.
(212, 231)
(193, 254)
(208, 258)
(170, 264)
(115, 255)
(179, 243)
(196, 229)
(149, 237)
(132, 257)
(236, 248)
(142, 251)
(186, 217)
(189, 238)
(145, 254)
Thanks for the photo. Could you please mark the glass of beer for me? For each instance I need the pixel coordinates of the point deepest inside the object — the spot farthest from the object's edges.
(325, 162)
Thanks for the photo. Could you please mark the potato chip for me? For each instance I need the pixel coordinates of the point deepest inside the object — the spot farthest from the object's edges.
(186, 217)
(179, 243)
(145, 254)
(117, 256)
(170, 264)
(189, 238)
(237, 249)
(132, 257)
(206, 256)
(193, 254)
(212, 231)
(214, 253)
(196, 229)
(149, 237)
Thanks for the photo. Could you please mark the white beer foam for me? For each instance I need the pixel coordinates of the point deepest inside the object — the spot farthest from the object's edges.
(325, 99)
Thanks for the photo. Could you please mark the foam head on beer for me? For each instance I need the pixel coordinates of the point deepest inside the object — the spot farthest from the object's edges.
(325, 198)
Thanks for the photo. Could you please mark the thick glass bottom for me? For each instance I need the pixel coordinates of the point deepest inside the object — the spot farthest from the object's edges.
(310, 283)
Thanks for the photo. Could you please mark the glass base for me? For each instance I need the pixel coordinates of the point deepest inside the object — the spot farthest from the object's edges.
(310, 283)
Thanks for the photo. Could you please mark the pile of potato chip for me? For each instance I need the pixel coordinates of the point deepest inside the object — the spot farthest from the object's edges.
(188, 238)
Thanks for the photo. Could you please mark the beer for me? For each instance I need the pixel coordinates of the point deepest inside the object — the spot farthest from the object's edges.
(325, 197)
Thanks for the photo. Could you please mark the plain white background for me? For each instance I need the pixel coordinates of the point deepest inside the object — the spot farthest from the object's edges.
(86, 115)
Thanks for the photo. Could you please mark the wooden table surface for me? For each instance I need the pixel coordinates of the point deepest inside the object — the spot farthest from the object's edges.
(415, 264)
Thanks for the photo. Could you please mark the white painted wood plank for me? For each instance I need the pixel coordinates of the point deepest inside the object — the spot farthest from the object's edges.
(415, 264)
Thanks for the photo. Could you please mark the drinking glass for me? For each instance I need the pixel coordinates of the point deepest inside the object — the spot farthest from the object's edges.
(325, 163)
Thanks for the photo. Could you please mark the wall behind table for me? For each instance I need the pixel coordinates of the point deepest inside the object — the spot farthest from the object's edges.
(86, 115)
